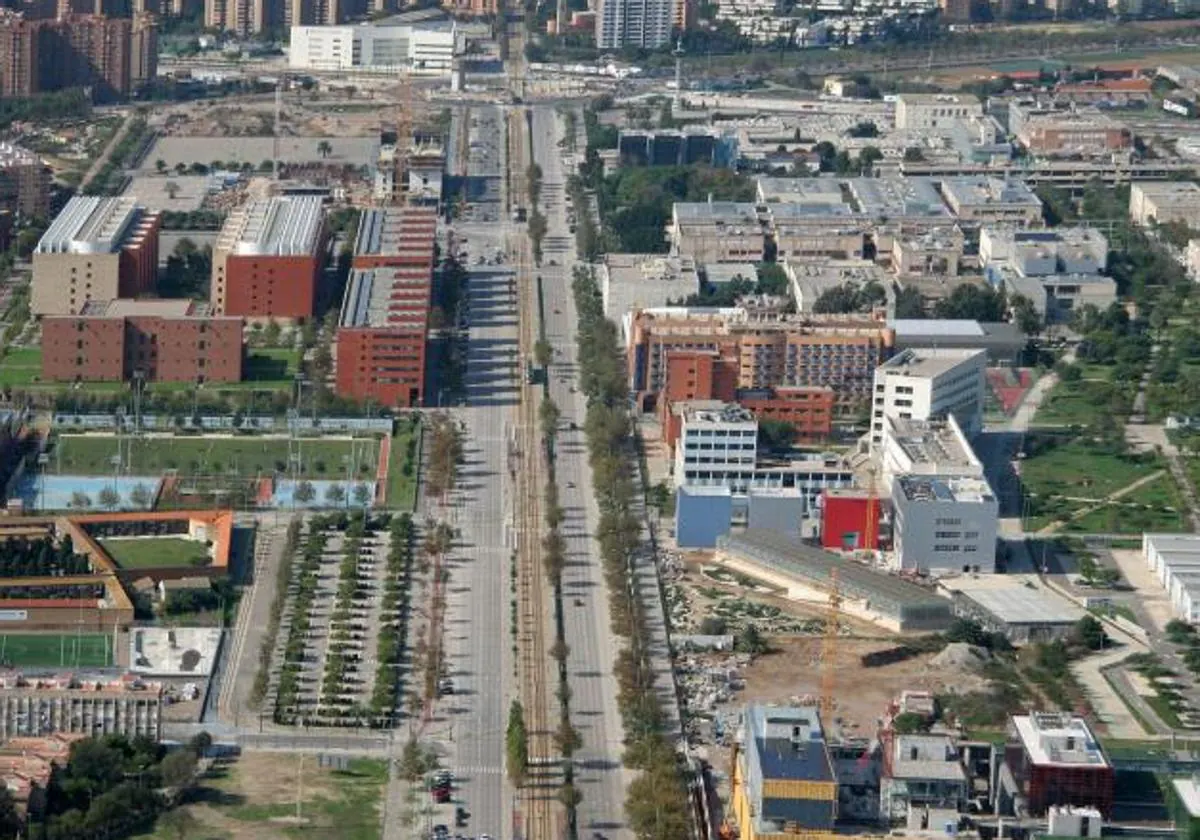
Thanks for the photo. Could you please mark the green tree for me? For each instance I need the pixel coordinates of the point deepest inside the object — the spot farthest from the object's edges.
(1088, 633)
(109, 498)
(179, 824)
(335, 495)
(305, 492)
(178, 768)
(543, 353)
(776, 435)
(171, 188)
(909, 723)
(324, 148)
(751, 641)
(362, 494)
(1025, 316)
(516, 745)
(160, 166)
(139, 496)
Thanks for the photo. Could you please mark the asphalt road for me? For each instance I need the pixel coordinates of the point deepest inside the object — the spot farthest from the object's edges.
(469, 725)
(594, 711)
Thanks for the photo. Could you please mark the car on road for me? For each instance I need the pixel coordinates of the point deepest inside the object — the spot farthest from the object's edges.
(460, 816)
(445, 686)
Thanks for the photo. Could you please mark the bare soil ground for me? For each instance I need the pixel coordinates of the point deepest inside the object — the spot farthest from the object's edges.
(862, 693)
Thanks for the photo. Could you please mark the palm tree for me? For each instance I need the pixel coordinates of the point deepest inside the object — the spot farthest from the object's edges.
(324, 149)
(362, 494)
(160, 165)
(172, 189)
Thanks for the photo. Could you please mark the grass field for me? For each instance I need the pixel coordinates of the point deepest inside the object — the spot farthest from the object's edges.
(254, 797)
(1077, 468)
(402, 470)
(241, 456)
(54, 650)
(21, 367)
(150, 552)
(271, 364)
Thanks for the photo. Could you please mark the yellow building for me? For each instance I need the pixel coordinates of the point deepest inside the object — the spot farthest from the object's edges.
(784, 785)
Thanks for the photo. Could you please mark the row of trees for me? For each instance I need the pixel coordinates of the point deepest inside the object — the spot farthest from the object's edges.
(343, 658)
(393, 616)
(291, 542)
(41, 558)
(111, 177)
(445, 454)
(657, 805)
(295, 652)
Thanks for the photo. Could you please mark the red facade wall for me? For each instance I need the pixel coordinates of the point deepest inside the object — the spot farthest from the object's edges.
(271, 287)
(843, 516)
(1082, 786)
(807, 410)
(89, 349)
(139, 258)
(382, 364)
(103, 348)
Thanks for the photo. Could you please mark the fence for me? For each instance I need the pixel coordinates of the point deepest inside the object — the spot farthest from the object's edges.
(225, 422)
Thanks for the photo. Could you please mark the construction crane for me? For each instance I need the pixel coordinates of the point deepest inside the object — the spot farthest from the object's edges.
(829, 646)
(404, 138)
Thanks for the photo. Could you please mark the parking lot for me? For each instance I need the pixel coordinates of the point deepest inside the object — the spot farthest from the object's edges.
(238, 150)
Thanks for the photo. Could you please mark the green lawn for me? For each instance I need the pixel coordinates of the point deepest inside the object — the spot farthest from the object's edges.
(1080, 468)
(1079, 403)
(21, 367)
(54, 650)
(403, 468)
(1157, 506)
(151, 552)
(271, 364)
(345, 804)
(243, 456)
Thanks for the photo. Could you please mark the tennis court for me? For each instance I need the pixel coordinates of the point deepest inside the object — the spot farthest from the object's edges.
(56, 650)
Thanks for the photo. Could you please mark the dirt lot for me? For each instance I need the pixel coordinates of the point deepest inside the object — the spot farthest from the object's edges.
(862, 693)
(254, 798)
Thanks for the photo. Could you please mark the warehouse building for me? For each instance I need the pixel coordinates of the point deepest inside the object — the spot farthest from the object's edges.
(1175, 561)
(805, 572)
(784, 783)
(267, 258)
(1017, 607)
(128, 706)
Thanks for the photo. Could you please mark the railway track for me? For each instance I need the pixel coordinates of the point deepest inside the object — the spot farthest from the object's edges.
(538, 802)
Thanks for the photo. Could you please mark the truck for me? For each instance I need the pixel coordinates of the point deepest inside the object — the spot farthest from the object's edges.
(519, 214)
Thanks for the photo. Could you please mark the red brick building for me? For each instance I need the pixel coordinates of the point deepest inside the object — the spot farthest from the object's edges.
(268, 258)
(380, 348)
(705, 375)
(1053, 758)
(168, 341)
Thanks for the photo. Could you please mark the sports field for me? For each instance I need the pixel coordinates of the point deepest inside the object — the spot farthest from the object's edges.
(56, 650)
(245, 457)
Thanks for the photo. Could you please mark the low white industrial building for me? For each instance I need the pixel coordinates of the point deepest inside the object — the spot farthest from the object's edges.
(944, 524)
(645, 281)
(1175, 561)
(928, 385)
(374, 48)
(1020, 607)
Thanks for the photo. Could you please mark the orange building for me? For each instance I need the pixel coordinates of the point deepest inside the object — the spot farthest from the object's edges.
(773, 351)
(382, 330)
(164, 340)
(268, 257)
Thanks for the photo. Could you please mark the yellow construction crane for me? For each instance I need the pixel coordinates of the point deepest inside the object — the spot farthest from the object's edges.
(829, 649)
(870, 535)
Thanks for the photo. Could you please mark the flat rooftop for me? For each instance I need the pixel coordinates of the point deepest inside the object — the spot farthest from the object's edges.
(931, 442)
(1010, 600)
(12, 155)
(716, 212)
(280, 226)
(780, 756)
(938, 489)
(1059, 739)
(957, 328)
(927, 363)
(695, 412)
(1170, 190)
(972, 191)
(1188, 791)
(393, 297)
(129, 308)
(90, 225)
(397, 232)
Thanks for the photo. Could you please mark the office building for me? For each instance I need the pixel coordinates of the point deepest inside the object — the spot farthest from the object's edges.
(1035, 253)
(470, 8)
(644, 24)
(717, 231)
(923, 112)
(38, 706)
(937, 252)
(1053, 758)
(1164, 201)
(987, 199)
(1107, 92)
(22, 56)
(159, 340)
(644, 281)
(143, 50)
(95, 249)
(766, 351)
(676, 147)
(784, 784)
(719, 439)
(24, 183)
(1003, 342)
(925, 448)
(930, 385)
(267, 258)
(373, 47)
(382, 329)
(1074, 134)
(944, 524)
(923, 784)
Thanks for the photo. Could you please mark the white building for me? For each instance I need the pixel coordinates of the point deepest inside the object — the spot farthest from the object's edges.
(926, 448)
(1036, 253)
(634, 23)
(1164, 201)
(927, 111)
(944, 524)
(645, 281)
(373, 48)
(1193, 259)
(717, 442)
(928, 385)
(1175, 561)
